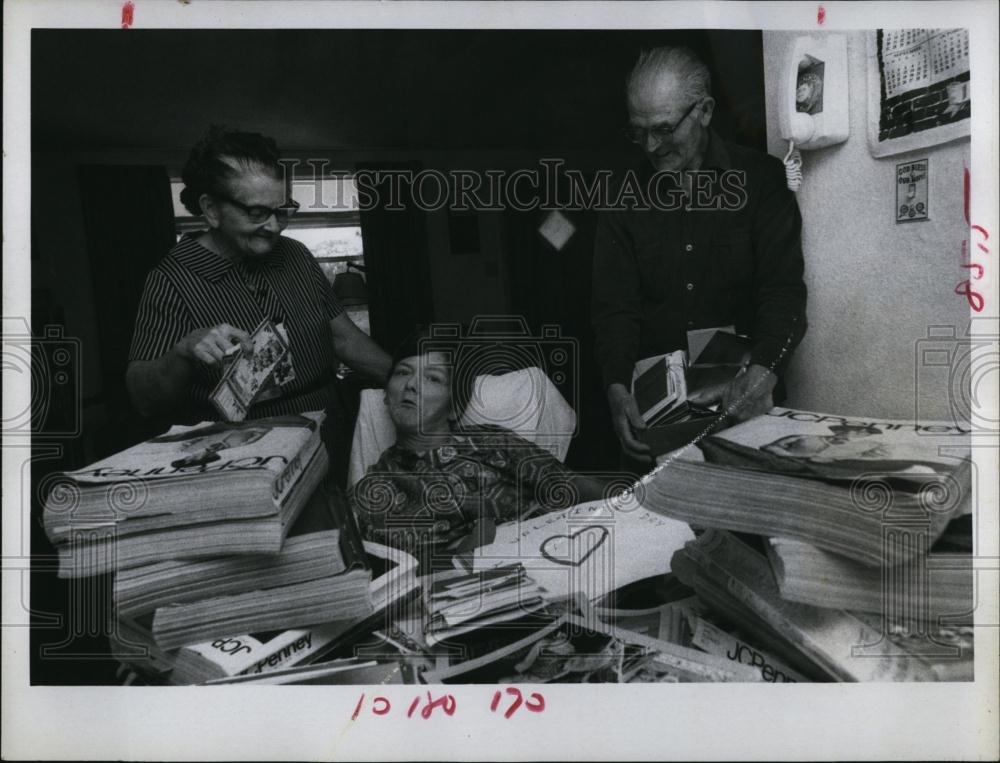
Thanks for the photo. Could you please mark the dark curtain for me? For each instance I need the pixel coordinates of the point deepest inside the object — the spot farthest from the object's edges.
(395, 247)
(552, 287)
(129, 225)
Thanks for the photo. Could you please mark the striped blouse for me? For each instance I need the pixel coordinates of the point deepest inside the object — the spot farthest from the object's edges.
(194, 288)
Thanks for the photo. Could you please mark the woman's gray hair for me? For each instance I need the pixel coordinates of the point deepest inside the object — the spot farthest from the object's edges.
(691, 72)
(211, 163)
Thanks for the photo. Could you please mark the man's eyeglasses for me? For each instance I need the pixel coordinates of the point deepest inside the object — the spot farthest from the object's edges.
(258, 214)
(661, 132)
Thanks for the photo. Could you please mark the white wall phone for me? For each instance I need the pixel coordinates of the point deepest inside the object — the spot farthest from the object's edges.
(813, 98)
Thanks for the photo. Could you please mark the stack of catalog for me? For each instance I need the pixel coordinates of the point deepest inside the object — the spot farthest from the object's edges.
(868, 534)
(197, 491)
(263, 655)
(925, 604)
(811, 575)
(319, 576)
(734, 580)
(340, 596)
(851, 487)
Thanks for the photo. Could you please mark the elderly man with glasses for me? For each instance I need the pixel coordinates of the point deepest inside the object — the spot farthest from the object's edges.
(213, 288)
(720, 247)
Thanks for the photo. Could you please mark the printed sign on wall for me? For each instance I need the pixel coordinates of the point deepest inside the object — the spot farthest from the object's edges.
(911, 191)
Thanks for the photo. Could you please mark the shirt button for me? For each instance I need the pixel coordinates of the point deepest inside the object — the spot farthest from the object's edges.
(690, 286)
(688, 247)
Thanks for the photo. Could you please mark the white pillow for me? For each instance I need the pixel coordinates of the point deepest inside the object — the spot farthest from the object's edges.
(526, 402)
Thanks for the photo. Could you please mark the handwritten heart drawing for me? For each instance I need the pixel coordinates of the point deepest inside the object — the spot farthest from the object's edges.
(559, 548)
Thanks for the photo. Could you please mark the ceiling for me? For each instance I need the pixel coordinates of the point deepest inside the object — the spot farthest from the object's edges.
(341, 89)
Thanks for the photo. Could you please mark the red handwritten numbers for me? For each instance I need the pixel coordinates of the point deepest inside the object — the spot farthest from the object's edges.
(382, 706)
(535, 703)
(357, 707)
(966, 192)
(447, 704)
(977, 270)
(128, 14)
(982, 232)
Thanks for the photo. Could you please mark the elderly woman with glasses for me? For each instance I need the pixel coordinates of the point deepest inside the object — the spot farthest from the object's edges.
(215, 287)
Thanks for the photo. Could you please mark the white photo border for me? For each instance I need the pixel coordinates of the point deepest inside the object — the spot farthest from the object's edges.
(940, 721)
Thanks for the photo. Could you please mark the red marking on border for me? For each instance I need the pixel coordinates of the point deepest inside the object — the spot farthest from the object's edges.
(518, 701)
(974, 298)
(539, 704)
(357, 709)
(966, 193)
(980, 270)
(128, 14)
(820, 15)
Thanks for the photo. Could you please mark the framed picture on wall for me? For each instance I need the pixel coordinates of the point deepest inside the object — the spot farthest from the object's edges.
(918, 88)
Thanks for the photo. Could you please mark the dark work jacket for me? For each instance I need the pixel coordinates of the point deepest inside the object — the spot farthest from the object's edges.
(658, 274)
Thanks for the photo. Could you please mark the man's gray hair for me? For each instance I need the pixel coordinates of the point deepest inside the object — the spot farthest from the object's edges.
(691, 72)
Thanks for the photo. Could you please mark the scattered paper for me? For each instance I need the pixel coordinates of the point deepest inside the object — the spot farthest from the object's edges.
(591, 548)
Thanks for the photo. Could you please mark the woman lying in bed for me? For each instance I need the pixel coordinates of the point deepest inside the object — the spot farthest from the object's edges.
(443, 486)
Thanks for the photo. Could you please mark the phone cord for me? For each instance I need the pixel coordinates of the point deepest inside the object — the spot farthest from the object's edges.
(793, 167)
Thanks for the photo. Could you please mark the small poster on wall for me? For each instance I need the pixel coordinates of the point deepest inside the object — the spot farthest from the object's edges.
(911, 191)
(918, 88)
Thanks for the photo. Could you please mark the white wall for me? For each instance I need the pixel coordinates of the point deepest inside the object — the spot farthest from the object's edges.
(874, 286)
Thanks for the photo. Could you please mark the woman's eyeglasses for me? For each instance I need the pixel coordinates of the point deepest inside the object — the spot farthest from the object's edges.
(661, 132)
(258, 214)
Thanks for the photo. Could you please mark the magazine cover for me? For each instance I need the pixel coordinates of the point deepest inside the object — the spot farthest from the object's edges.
(249, 373)
(830, 447)
(209, 447)
(254, 654)
(248, 654)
